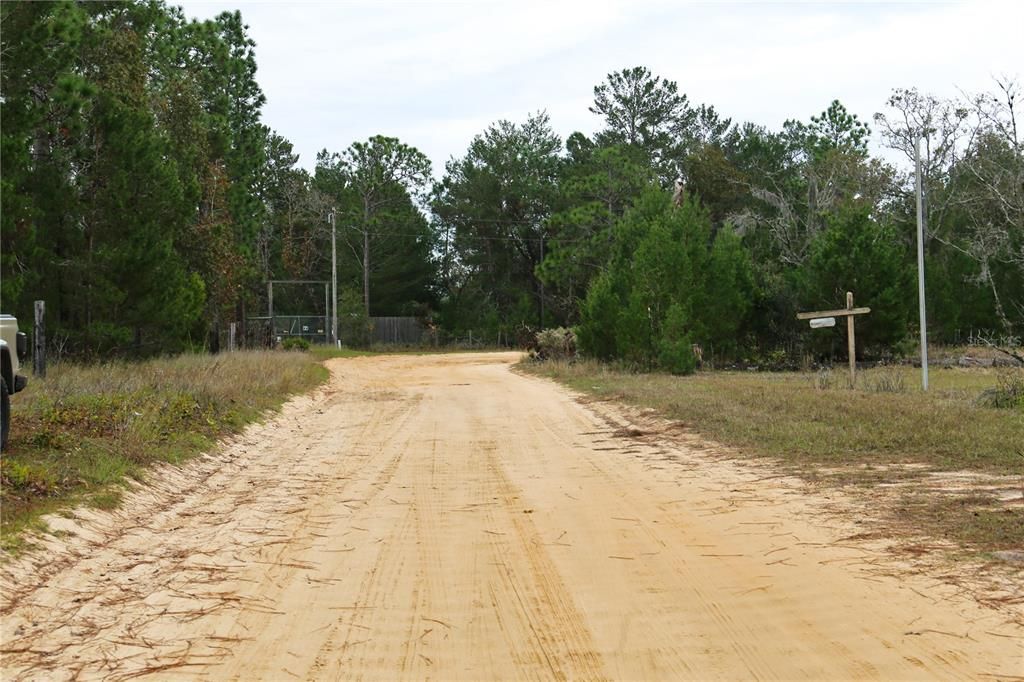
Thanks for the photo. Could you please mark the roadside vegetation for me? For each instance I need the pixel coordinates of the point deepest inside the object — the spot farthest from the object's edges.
(885, 430)
(84, 430)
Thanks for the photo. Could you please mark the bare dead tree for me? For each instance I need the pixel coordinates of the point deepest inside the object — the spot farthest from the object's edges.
(973, 169)
(795, 221)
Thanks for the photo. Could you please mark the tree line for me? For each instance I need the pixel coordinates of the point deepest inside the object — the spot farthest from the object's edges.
(147, 203)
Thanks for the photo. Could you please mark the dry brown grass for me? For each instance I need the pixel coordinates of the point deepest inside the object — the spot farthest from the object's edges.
(816, 419)
(82, 430)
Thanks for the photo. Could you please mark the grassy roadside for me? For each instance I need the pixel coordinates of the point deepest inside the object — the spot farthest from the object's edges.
(823, 430)
(78, 434)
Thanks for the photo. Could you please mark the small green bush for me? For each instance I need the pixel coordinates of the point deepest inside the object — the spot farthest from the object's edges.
(295, 343)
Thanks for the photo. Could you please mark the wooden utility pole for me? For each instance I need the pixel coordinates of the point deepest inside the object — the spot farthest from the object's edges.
(827, 318)
(851, 344)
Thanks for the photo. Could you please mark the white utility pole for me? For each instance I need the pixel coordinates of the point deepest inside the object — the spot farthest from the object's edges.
(334, 279)
(920, 268)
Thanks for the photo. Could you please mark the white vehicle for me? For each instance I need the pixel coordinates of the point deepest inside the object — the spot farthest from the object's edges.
(13, 350)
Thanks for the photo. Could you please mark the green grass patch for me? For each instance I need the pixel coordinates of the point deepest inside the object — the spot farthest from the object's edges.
(816, 419)
(80, 433)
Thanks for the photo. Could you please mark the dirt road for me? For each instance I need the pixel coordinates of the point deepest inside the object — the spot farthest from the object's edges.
(441, 517)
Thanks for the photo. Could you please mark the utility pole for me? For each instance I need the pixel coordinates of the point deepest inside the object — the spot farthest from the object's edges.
(366, 267)
(334, 279)
(920, 266)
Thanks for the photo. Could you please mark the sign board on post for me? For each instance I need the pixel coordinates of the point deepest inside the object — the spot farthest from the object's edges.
(827, 318)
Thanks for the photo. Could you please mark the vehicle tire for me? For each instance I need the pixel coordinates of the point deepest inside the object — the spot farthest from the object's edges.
(5, 414)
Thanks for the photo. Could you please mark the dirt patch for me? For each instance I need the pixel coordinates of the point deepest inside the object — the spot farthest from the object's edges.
(962, 528)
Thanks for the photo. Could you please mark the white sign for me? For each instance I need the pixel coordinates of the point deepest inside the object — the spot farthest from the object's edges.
(819, 322)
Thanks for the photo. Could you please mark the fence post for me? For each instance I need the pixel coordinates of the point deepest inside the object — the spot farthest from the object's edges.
(39, 341)
(231, 337)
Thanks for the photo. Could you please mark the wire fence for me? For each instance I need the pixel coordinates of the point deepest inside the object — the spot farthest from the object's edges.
(404, 331)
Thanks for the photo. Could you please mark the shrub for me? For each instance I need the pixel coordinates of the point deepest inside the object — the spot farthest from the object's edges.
(556, 344)
(295, 343)
(1008, 393)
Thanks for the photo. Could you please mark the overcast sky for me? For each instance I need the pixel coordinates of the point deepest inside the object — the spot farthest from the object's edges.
(436, 74)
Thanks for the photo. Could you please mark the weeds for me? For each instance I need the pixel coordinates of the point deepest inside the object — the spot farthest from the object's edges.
(83, 430)
(824, 380)
(814, 420)
(886, 380)
(1008, 392)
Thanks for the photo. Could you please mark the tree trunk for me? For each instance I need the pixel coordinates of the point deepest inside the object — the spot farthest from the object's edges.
(540, 282)
(366, 257)
(240, 315)
(366, 271)
(1000, 313)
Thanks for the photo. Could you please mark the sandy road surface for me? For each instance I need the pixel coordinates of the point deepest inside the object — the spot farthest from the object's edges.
(444, 518)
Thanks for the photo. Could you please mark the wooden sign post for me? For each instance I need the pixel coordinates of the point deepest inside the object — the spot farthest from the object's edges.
(820, 317)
